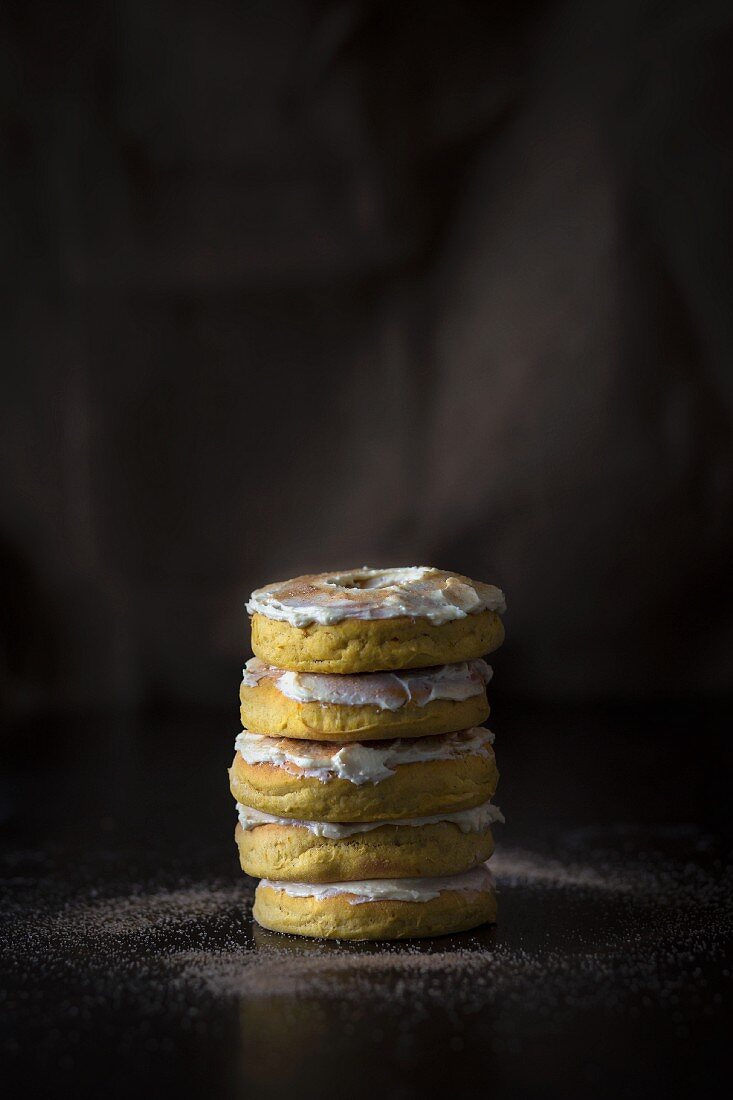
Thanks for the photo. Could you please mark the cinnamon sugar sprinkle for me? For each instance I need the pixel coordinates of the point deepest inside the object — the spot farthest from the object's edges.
(627, 930)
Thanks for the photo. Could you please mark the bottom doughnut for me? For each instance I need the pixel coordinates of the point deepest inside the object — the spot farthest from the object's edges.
(383, 909)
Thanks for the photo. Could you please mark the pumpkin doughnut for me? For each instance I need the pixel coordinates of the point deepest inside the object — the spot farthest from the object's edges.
(378, 909)
(366, 705)
(356, 781)
(367, 620)
(314, 851)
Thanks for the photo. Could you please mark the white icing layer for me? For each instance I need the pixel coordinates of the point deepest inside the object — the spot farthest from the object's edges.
(386, 690)
(478, 880)
(358, 762)
(468, 821)
(418, 591)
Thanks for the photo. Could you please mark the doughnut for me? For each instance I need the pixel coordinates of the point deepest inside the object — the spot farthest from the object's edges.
(366, 705)
(369, 620)
(314, 851)
(375, 909)
(356, 781)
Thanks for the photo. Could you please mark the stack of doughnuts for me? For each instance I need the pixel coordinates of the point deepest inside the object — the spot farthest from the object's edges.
(363, 776)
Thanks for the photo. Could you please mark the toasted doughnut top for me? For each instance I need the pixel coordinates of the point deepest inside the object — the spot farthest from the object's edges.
(468, 821)
(356, 761)
(477, 880)
(386, 690)
(417, 591)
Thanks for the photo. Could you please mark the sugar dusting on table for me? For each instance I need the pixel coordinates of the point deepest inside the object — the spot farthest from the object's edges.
(628, 930)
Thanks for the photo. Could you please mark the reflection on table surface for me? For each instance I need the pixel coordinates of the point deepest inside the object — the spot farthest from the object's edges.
(132, 963)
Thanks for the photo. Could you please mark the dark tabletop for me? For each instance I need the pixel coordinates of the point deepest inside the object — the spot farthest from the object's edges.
(132, 966)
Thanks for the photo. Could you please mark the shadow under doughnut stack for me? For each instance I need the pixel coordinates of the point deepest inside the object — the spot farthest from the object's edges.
(363, 776)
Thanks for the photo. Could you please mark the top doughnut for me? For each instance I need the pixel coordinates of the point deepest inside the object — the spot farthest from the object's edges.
(368, 620)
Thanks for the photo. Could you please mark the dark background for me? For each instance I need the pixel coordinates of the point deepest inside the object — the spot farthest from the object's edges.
(297, 286)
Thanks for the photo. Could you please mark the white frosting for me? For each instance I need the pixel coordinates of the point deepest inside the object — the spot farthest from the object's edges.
(476, 820)
(356, 761)
(386, 690)
(419, 592)
(478, 880)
